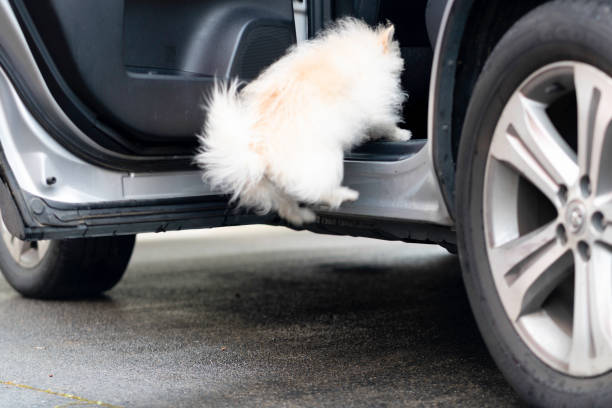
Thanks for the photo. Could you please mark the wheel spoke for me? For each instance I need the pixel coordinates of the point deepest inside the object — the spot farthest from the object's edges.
(24, 246)
(525, 264)
(593, 98)
(591, 349)
(41, 249)
(16, 248)
(27, 254)
(533, 147)
(547, 145)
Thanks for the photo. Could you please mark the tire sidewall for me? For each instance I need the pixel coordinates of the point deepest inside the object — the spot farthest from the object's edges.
(567, 33)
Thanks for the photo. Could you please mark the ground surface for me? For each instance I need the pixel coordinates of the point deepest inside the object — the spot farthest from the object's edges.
(256, 316)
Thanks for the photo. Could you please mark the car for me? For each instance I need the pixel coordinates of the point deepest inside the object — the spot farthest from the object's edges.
(510, 166)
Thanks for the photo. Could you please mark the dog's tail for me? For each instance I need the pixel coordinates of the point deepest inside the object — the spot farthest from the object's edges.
(226, 153)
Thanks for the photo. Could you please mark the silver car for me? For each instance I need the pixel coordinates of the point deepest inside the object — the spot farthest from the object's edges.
(511, 165)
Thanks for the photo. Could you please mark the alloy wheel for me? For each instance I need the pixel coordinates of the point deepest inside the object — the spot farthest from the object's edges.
(547, 209)
(27, 254)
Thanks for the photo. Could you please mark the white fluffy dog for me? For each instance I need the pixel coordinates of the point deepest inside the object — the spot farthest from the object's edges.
(280, 140)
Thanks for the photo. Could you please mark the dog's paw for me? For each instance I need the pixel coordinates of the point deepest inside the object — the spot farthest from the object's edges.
(291, 216)
(401, 135)
(296, 215)
(308, 216)
(340, 195)
(349, 195)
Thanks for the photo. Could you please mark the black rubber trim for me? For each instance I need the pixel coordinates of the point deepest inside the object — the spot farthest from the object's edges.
(444, 164)
(384, 228)
(58, 220)
(385, 151)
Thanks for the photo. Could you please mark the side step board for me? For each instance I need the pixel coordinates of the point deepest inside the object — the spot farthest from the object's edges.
(385, 151)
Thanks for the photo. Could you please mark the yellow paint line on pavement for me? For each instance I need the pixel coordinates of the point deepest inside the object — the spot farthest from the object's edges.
(77, 404)
(81, 401)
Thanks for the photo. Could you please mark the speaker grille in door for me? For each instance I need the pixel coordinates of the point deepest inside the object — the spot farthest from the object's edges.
(260, 47)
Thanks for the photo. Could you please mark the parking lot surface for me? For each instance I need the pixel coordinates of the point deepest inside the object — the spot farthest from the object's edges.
(256, 316)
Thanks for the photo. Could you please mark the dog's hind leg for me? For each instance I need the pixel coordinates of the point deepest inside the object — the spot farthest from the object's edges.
(318, 182)
(314, 177)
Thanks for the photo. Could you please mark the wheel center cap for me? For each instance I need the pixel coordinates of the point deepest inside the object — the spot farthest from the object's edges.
(575, 215)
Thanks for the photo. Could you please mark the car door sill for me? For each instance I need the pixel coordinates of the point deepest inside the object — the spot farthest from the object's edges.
(385, 151)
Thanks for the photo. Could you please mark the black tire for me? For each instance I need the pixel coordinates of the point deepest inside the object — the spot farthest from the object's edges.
(557, 31)
(73, 268)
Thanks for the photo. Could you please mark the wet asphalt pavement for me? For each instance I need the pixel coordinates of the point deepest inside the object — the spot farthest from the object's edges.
(256, 316)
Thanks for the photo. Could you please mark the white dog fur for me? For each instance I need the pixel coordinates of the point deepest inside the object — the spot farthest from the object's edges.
(280, 140)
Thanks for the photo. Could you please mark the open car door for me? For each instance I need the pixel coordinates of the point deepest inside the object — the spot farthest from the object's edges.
(132, 73)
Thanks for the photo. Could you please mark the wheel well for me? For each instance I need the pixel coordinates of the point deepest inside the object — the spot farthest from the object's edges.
(483, 25)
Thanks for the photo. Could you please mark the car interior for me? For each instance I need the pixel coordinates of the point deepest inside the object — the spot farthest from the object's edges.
(132, 74)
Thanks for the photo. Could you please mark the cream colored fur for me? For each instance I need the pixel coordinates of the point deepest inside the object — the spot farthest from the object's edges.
(280, 140)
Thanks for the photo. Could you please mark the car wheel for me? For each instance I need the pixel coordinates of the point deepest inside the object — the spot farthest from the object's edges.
(58, 269)
(534, 204)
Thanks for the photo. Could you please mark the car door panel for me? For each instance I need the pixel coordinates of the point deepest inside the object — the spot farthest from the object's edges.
(142, 66)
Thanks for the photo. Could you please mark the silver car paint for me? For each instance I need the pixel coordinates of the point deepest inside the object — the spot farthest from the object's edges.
(406, 189)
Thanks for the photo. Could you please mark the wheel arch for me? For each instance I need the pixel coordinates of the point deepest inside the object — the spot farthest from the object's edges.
(469, 31)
